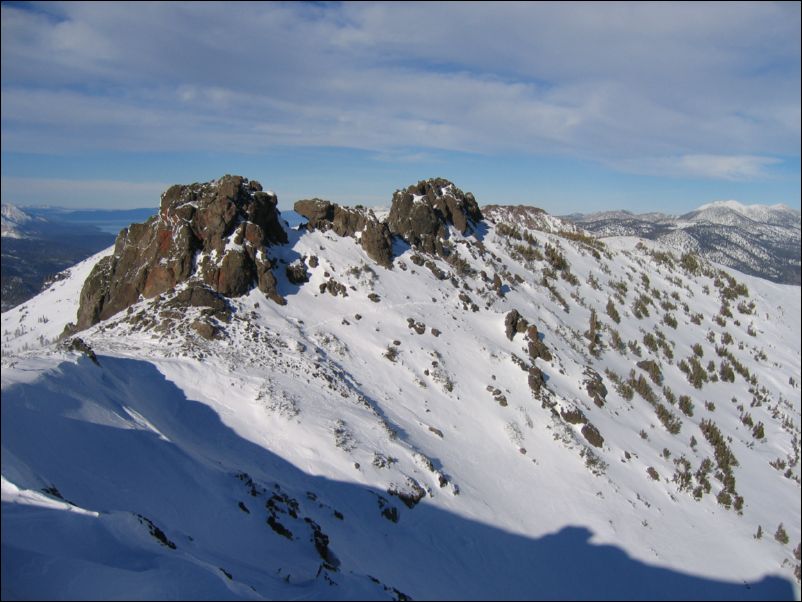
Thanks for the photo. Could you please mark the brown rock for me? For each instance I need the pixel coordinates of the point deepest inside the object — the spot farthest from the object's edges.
(152, 258)
(536, 380)
(422, 213)
(296, 273)
(375, 236)
(204, 329)
(592, 434)
(514, 323)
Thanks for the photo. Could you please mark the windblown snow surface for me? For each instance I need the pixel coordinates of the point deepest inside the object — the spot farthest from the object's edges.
(355, 448)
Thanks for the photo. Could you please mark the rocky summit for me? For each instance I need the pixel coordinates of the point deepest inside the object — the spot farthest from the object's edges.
(422, 213)
(219, 231)
(218, 234)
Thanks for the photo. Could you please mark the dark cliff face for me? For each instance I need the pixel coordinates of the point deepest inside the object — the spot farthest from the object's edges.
(422, 213)
(225, 226)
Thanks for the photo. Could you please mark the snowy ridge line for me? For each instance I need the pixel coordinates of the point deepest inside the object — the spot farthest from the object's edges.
(393, 432)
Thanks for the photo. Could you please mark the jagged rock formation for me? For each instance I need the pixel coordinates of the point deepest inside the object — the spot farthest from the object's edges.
(218, 230)
(422, 213)
(513, 323)
(374, 236)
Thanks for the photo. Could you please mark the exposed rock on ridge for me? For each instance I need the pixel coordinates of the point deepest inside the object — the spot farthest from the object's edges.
(217, 230)
(374, 236)
(422, 213)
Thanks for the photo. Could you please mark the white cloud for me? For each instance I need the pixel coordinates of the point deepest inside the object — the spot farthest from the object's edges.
(741, 167)
(610, 83)
(722, 167)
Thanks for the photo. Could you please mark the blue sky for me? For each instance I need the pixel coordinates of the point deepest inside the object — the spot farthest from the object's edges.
(567, 106)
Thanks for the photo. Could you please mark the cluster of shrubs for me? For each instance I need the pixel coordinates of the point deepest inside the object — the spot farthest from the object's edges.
(640, 307)
(726, 461)
(621, 387)
(694, 371)
(690, 263)
(556, 259)
(613, 312)
(729, 288)
(592, 243)
(669, 420)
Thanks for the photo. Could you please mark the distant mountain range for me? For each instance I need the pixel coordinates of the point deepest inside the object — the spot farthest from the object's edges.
(759, 240)
(41, 242)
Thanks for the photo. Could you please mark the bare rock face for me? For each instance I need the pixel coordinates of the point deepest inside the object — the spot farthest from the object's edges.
(221, 229)
(537, 348)
(422, 213)
(374, 236)
(514, 323)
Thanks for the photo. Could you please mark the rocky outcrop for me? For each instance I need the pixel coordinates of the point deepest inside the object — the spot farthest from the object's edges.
(423, 212)
(296, 272)
(592, 434)
(595, 386)
(536, 379)
(536, 347)
(514, 323)
(373, 235)
(79, 345)
(216, 231)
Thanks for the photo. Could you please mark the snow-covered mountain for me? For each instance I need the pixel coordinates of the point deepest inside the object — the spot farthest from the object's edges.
(445, 403)
(40, 242)
(723, 212)
(759, 240)
(12, 221)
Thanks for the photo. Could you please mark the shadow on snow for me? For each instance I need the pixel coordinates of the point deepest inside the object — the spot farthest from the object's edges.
(72, 429)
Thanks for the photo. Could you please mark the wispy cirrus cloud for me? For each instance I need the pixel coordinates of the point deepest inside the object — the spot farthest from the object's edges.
(735, 168)
(696, 89)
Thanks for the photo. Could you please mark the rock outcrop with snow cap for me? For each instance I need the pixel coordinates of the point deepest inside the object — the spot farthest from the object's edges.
(423, 212)
(217, 231)
(374, 236)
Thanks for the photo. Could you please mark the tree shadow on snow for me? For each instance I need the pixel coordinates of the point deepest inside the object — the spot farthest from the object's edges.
(71, 429)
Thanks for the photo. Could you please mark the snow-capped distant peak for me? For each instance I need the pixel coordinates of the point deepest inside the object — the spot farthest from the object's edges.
(730, 204)
(730, 212)
(11, 217)
(14, 213)
(752, 211)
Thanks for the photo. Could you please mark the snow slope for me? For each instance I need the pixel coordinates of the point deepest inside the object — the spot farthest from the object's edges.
(322, 422)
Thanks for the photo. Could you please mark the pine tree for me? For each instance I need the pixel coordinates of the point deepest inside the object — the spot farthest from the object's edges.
(781, 535)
